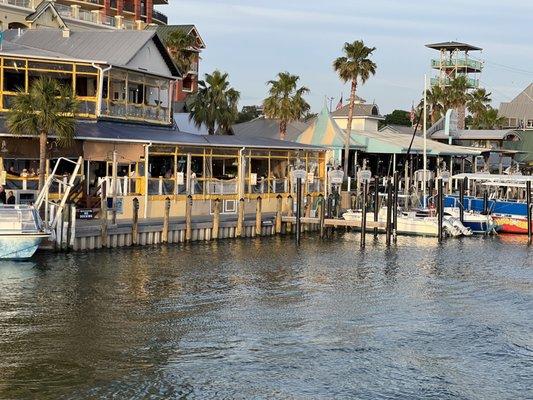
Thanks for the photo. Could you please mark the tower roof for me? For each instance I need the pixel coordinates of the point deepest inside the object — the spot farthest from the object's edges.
(452, 46)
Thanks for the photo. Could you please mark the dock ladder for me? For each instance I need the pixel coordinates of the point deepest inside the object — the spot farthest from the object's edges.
(43, 194)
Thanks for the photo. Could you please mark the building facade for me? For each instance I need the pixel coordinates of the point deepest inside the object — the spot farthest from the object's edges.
(518, 113)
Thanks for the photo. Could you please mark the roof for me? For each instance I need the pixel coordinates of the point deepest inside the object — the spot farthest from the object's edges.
(452, 46)
(524, 145)
(359, 110)
(324, 131)
(269, 128)
(165, 30)
(137, 133)
(186, 125)
(114, 47)
(474, 134)
(42, 8)
(405, 130)
(520, 107)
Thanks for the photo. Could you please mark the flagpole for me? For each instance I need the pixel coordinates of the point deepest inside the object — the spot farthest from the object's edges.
(424, 176)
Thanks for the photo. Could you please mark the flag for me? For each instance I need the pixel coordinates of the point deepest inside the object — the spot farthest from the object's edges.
(339, 105)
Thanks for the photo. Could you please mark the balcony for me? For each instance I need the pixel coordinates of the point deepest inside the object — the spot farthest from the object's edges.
(159, 16)
(84, 15)
(472, 83)
(463, 63)
(18, 3)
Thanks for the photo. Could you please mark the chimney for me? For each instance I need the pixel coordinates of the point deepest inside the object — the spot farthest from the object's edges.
(66, 32)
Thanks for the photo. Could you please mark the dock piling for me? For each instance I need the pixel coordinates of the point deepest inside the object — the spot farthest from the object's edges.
(239, 230)
(388, 230)
(321, 211)
(298, 209)
(258, 221)
(279, 209)
(290, 212)
(188, 219)
(166, 217)
(529, 211)
(363, 217)
(462, 201)
(376, 203)
(216, 219)
(395, 206)
(440, 207)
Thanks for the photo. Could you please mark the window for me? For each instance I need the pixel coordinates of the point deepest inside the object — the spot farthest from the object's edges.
(14, 80)
(85, 85)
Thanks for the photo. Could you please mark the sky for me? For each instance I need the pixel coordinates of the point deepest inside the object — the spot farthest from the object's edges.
(254, 40)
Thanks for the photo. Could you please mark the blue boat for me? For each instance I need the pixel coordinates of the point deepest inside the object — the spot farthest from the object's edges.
(21, 231)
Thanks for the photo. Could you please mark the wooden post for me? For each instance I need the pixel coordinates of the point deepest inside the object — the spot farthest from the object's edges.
(279, 209)
(240, 219)
(290, 212)
(395, 206)
(388, 230)
(440, 207)
(298, 209)
(321, 211)
(135, 224)
(462, 200)
(307, 210)
(529, 211)
(258, 221)
(363, 217)
(166, 217)
(188, 219)
(72, 226)
(216, 220)
(376, 203)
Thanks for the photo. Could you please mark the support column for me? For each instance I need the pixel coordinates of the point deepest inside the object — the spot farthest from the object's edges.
(120, 7)
(149, 11)
(137, 9)
(107, 7)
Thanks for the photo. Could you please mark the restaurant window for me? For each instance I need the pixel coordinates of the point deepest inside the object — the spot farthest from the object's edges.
(86, 85)
(14, 80)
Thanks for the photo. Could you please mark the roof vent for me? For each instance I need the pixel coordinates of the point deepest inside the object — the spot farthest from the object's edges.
(66, 33)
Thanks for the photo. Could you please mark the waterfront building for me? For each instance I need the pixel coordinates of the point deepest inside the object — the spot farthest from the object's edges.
(269, 128)
(126, 134)
(519, 111)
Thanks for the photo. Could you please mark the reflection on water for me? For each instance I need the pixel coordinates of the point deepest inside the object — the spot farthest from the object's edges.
(263, 318)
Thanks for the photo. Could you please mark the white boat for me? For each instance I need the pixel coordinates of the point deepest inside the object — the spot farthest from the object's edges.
(477, 222)
(21, 231)
(415, 222)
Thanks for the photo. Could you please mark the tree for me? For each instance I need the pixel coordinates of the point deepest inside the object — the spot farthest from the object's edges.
(215, 104)
(478, 102)
(456, 96)
(181, 48)
(285, 101)
(436, 99)
(249, 113)
(48, 109)
(354, 66)
(398, 117)
(488, 119)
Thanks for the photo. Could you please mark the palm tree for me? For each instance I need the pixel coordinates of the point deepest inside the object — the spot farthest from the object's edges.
(488, 119)
(48, 108)
(456, 96)
(285, 101)
(215, 104)
(181, 48)
(478, 101)
(435, 98)
(354, 66)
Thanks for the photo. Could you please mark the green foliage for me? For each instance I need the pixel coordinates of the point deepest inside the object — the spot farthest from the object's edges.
(181, 48)
(285, 101)
(398, 117)
(488, 118)
(215, 104)
(248, 113)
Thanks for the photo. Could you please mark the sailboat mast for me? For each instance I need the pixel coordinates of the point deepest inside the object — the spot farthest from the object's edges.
(424, 171)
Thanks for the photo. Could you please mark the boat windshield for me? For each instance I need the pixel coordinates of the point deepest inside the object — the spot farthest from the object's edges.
(21, 219)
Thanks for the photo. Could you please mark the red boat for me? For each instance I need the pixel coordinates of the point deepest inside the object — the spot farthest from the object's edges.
(511, 223)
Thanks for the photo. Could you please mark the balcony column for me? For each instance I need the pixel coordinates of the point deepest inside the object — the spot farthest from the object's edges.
(119, 23)
(107, 7)
(137, 9)
(75, 11)
(97, 16)
(120, 7)
(149, 11)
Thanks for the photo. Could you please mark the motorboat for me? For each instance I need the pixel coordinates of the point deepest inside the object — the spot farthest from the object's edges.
(415, 222)
(21, 231)
(476, 221)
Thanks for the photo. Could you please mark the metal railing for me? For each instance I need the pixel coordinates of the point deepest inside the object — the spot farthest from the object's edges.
(471, 82)
(18, 3)
(458, 62)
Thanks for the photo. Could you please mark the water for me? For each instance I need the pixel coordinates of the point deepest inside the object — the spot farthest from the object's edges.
(264, 319)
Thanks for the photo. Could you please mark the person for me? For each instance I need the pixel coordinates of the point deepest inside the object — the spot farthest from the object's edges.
(12, 171)
(3, 197)
(10, 198)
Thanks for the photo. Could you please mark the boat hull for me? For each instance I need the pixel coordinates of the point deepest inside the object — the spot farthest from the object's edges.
(19, 247)
(511, 224)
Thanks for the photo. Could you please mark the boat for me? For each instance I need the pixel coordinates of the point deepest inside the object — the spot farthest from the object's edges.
(476, 221)
(21, 231)
(415, 222)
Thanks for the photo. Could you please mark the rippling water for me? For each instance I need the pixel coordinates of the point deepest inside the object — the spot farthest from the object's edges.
(261, 318)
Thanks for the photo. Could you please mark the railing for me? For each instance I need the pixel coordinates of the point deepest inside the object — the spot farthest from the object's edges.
(160, 16)
(471, 82)
(18, 3)
(32, 183)
(460, 62)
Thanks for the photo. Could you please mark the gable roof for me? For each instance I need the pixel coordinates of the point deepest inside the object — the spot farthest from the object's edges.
(359, 110)
(405, 130)
(269, 128)
(165, 30)
(46, 6)
(521, 106)
(452, 46)
(115, 47)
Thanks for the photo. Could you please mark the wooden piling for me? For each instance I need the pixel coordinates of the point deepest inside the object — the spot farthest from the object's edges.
(529, 211)
(440, 208)
(240, 219)
(363, 216)
(290, 212)
(166, 218)
(258, 220)
(462, 201)
(321, 211)
(298, 209)
(388, 229)
(279, 211)
(307, 209)
(135, 224)
(188, 219)
(376, 203)
(216, 219)
(395, 206)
